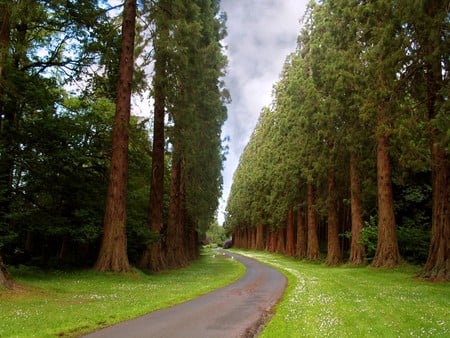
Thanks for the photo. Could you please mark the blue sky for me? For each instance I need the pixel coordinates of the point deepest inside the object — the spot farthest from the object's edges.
(261, 33)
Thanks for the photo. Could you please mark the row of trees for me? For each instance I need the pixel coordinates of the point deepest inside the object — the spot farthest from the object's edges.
(67, 74)
(352, 157)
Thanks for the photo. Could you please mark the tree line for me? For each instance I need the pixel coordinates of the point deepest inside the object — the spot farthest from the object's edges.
(82, 182)
(351, 159)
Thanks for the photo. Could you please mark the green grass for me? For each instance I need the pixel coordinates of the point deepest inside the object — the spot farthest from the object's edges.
(355, 302)
(55, 303)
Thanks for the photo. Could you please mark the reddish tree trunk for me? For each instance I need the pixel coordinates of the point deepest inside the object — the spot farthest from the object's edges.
(260, 237)
(175, 232)
(313, 251)
(387, 253)
(113, 250)
(234, 239)
(271, 247)
(301, 245)
(437, 267)
(5, 277)
(154, 255)
(334, 255)
(281, 240)
(7, 114)
(244, 238)
(357, 250)
(290, 234)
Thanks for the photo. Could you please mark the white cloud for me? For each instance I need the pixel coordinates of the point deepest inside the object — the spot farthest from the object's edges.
(261, 33)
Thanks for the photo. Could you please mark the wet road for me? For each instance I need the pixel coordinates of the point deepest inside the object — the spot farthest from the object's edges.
(237, 310)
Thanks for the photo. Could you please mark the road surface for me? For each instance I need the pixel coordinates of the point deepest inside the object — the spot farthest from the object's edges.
(237, 310)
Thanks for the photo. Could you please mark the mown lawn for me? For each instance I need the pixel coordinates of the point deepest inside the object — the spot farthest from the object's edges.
(56, 303)
(355, 302)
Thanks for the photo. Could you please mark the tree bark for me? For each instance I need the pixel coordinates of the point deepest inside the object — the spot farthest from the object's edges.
(313, 251)
(357, 250)
(334, 255)
(5, 277)
(7, 115)
(301, 245)
(437, 267)
(154, 257)
(271, 245)
(260, 237)
(281, 241)
(176, 243)
(290, 234)
(387, 253)
(113, 251)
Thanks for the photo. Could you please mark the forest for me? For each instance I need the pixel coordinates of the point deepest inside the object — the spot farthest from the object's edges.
(84, 183)
(350, 162)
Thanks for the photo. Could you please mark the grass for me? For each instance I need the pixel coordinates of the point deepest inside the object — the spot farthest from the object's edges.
(67, 304)
(355, 302)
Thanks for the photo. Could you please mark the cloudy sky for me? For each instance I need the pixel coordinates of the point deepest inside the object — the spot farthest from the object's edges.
(261, 33)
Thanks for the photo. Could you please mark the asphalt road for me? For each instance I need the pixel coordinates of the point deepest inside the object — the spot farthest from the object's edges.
(237, 310)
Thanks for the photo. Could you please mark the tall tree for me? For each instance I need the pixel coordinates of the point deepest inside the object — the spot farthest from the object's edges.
(429, 30)
(4, 162)
(154, 255)
(113, 250)
(313, 250)
(384, 56)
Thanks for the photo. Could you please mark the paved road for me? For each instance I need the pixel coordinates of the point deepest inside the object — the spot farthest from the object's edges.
(237, 310)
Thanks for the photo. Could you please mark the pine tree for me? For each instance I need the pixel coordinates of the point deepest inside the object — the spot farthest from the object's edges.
(113, 251)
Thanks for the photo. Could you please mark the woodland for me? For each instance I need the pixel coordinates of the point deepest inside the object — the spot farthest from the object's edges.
(350, 162)
(75, 167)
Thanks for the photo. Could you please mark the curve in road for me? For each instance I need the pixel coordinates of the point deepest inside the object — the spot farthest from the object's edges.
(237, 310)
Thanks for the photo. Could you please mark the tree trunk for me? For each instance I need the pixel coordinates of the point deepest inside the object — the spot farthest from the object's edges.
(301, 245)
(113, 251)
(313, 251)
(259, 237)
(357, 250)
(290, 234)
(5, 277)
(7, 114)
(437, 267)
(271, 246)
(176, 256)
(334, 255)
(154, 258)
(280, 247)
(387, 253)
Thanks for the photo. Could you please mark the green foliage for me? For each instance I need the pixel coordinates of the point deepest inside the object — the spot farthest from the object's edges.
(196, 100)
(216, 234)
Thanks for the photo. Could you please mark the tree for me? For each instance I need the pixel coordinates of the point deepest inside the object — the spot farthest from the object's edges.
(154, 255)
(113, 250)
(5, 277)
(196, 109)
(384, 56)
(428, 25)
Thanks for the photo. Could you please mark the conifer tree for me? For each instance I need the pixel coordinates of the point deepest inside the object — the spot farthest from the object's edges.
(113, 251)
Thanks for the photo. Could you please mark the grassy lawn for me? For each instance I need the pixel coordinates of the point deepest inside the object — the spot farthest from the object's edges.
(356, 302)
(55, 303)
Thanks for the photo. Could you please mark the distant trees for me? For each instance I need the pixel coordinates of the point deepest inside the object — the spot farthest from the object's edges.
(345, 141)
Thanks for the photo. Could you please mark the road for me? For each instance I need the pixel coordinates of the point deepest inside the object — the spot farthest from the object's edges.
(237, 310)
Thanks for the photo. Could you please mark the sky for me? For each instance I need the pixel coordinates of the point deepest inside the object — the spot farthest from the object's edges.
(261, 34)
